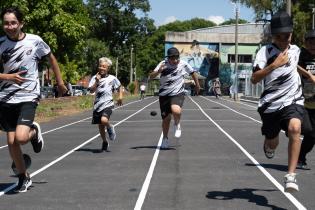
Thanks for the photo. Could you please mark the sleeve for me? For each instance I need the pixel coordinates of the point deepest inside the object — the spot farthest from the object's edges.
(92, 81)
(260, 60)
(42, 48)
(188, 68)
(116, 83)
(158, 66)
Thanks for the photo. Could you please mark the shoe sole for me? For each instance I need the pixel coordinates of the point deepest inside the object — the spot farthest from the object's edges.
(27, 186)
(265, 151)
(291, 188)
(39, 135)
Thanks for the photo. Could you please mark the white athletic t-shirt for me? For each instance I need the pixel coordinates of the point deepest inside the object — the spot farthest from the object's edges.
(104, 92)
(172, 77)
(22, 55)
(282, 87)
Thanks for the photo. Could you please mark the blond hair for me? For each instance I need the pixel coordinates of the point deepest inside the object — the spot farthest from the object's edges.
(105, 60)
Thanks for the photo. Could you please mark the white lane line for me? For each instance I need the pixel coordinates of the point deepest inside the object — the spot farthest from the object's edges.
(231, 109)
(255, 102)
(257, 164)
(71, 151)
(147, 180)
(58, 128)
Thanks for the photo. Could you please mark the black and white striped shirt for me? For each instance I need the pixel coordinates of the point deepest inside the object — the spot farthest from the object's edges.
(104, 92)
(22, 55)
(282, 87)
(172, 77)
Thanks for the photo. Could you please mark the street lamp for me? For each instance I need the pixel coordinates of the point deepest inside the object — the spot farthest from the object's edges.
(131, 68)
(236, 51)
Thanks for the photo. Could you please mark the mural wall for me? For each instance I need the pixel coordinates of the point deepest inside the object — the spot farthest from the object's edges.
(213, 61)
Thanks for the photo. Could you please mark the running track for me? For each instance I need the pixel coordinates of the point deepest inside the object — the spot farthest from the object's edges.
(217, 164)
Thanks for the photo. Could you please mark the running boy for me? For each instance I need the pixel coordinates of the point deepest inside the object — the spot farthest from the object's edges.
(171, 93)
(20, 88)
(281, 104)
(307, 61)
(103, 84)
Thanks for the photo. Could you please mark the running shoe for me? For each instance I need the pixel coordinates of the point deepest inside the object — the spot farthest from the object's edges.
(37, 140)
(303, 165)
(24, 183)
(105, 145)
(269, 153)
(111, 132)
(177, 131)
(290, 183)
(165, 143)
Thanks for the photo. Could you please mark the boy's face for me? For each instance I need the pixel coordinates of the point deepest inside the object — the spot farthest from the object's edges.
(103, 68)
(11, 26)
(282, 40)
(173, 60)
(310, 45)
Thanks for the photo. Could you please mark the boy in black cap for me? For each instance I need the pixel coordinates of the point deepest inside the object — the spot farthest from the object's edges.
(281, 105)
(171, 93)
(307, 61)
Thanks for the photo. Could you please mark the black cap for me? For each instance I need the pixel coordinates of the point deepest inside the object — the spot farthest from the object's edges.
(281, 22)
(310, 34)
(173, 51)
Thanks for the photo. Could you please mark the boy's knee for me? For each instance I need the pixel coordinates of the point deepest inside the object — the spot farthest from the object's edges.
(21, 139)
(294, 126)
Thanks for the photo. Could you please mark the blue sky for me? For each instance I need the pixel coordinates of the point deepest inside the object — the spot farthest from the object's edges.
(165, 11)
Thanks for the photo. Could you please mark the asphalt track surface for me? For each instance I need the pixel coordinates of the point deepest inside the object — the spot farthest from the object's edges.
(218, 163)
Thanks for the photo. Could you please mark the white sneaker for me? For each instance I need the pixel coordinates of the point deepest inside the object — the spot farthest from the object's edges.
(290, 183)
(177, 131)
(164, 144)
(111, 132)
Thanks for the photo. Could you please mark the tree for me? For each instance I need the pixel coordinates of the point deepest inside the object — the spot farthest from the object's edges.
(233, 21)
(301, 14)
(153, 47)
(61, 23)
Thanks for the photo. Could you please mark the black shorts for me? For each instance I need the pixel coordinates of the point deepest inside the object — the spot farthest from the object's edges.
(107, 112)
(167, 101)
(308, 124)
(12, 115)
(273, 122)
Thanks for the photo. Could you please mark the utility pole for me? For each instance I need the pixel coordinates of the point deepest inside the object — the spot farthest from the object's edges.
(116, 70)
(289, 7)
(236, 52)
(131, 69)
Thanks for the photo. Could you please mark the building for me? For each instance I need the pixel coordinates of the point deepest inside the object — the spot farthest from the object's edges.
(212, 51)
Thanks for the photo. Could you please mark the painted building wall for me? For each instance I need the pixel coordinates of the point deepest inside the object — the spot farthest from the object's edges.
(211, 61)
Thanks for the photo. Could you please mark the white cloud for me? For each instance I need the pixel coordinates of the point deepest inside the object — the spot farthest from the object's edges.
(169, 20)
(216, 19)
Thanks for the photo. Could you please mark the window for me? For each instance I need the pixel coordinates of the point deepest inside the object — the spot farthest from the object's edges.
(241, 58)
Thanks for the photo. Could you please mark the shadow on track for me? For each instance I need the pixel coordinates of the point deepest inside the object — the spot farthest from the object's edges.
(246, 193)
(271, 166)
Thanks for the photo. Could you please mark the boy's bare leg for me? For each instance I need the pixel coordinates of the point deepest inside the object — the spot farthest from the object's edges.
(166, 125)
(101, 129)
(294, 146)
(176, 111)
(16, 152)
(272, 143)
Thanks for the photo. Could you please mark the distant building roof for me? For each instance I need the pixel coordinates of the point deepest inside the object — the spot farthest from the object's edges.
(249, 33)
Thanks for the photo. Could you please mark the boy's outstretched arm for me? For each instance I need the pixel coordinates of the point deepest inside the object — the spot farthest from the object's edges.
(62, 89)
(306, 73)
(120, 96)
(197, 85)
